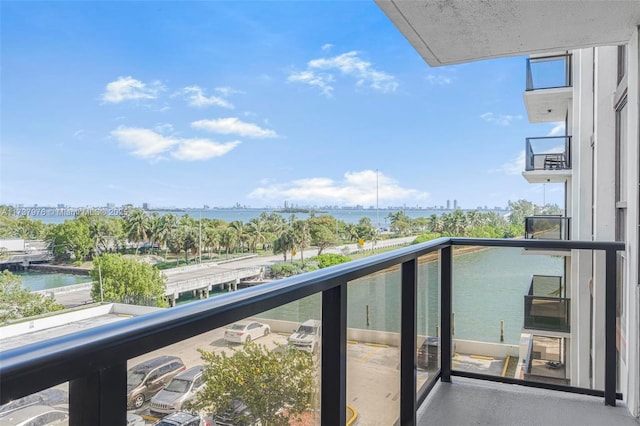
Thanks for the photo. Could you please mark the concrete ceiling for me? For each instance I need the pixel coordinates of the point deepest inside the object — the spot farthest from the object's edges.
(455, 31)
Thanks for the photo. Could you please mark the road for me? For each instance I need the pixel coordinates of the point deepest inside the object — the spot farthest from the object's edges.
(80, 297)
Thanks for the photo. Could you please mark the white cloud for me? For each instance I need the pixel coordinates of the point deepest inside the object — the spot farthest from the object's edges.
(513, 167)
(320, 80)
(202, 149)
(557, 130)
(79, 134)
(196, 97)
(227, 91)
(355, 188)
(327, 46)
(150, 145)
(320, 73)
(233, 125)
(439, 79)
(128, 88)
(163, 128)
(499, 119)
(143, 143)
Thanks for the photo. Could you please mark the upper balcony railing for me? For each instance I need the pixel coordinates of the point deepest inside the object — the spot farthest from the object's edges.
(546, 227)
(544, 306)
(549, 72)
(94, 361)
(548, 153)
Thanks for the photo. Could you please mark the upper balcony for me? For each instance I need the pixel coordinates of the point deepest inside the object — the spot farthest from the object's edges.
(545, 308)
(546, 227)
(375, 345)
(549, 92)
(548, 159)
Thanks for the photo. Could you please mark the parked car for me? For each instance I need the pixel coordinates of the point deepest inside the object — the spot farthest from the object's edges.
(307, 337)
(237, 415)
(49, 397)
(182, 418)
(180, 389)
(243, 332)
(36, 415)
(147, 378)
(428, 353)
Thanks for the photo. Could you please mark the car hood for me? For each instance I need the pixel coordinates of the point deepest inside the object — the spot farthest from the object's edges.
(302, 336)
(166, 397)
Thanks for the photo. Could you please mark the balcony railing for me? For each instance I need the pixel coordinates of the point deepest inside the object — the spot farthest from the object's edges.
(544, 306)
(94, 361)
(549, 72)
(546, 360)
(548, 153)
(546, 227)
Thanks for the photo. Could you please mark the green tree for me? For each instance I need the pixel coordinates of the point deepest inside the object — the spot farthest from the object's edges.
(285, 243)
(125, 280)
(330, 259)
(17, 302)
(323, 232)
(301, 236)
(137, 226)
(265, 381)
(71, 235)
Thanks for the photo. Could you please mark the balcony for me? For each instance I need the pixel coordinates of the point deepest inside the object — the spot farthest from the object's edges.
(546, 227)
(376, 348)
(548, 159)
(544, 307)
(549, 92)
(546, 361)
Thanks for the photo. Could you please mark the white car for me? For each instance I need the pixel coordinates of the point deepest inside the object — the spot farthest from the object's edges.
(243, 332)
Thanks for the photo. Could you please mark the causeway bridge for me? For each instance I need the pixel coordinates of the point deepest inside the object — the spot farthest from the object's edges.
(195, 280)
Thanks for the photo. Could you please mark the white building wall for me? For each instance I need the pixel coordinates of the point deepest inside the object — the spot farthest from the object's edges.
(605, 74)
(630, 364)
(579, 197)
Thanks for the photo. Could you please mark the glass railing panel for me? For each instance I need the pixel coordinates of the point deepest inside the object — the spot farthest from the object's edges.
(547, 360)
(428, 320)
(548, 153)
(373, 354)
(236, 373)
(548, 72)
(547, 286)
(547, 313)
(488, 288)
(547, 227)
(49, 406)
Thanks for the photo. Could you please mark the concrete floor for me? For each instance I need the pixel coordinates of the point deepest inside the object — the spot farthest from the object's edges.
(476, 402)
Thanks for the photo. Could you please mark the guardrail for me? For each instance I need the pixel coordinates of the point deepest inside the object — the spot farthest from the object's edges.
(546, 227)
(94, 361)
(548, 153)
(549, 72)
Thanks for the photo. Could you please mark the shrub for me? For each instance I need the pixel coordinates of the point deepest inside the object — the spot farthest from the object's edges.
(329, 259)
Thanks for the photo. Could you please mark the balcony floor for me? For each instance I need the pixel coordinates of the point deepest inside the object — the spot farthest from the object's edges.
(477, 402)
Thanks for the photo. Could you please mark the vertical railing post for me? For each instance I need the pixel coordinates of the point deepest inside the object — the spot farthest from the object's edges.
(408, 343)
(333, 398)
(529, 76)
(610, 329)
(446, 265)
(100, 398)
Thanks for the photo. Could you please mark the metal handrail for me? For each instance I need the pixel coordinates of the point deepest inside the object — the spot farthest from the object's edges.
(94, 361)
(531, 155)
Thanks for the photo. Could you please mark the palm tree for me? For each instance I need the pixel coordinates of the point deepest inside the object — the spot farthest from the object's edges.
(284, 243)
(228, 238)
(164, 231)
(255, 230)
(136, 226)
(302, 236)
(241, 236)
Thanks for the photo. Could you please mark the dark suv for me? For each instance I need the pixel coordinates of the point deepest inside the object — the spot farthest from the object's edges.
(147, 378)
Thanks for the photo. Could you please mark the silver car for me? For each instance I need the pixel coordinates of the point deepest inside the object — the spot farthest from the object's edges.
(179, 390)
(36, 415)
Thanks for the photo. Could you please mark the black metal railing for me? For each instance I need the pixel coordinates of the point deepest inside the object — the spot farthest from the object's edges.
(549, 72)
(546, 227)
(94, 361)
(548, 153)
(544, 306)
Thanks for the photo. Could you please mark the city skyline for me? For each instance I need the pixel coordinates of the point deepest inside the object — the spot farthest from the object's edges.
(249, 104)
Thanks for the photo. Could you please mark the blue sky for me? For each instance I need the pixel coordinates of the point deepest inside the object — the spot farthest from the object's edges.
(257, 103)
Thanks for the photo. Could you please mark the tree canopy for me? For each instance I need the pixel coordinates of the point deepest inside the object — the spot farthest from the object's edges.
(265, 381)
(123, 280)
(17, 302)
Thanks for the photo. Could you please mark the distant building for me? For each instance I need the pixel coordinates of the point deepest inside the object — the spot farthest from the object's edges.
(455, 204)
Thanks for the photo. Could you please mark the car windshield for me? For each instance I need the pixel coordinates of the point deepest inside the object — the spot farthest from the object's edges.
(134, 378)
(307, 329)
(178, 385)
(238, 326)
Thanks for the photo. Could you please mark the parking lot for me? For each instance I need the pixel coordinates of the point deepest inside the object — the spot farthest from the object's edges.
(372, 372)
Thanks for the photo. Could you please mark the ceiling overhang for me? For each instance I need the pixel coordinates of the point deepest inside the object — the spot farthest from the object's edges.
(448, 32)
